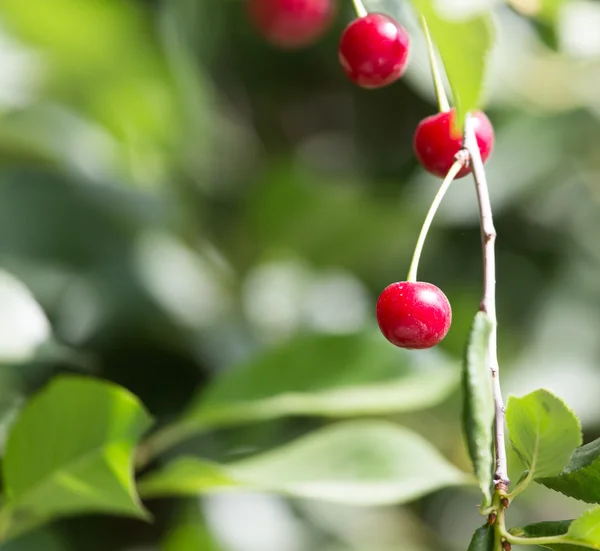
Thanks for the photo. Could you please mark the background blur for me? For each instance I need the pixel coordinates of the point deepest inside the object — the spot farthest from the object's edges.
(176, 195)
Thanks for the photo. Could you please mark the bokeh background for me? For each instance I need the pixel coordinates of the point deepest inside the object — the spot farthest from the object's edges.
(177, 195)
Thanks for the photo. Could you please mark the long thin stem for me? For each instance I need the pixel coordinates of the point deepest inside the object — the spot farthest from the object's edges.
(519, 540)
(488, 303)
(438, 83)
(548, 540)
(361, 11)
(163, 440)
(414, 264)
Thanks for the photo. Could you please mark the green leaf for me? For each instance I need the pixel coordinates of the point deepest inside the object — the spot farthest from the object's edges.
(545, 529)
(189, 475)
(586, 530)
(542, 529)
(478, 406)
(576, 535)
(328, 375)
(581, 477)
(106, 50)
(42, 540)
(190, 537)
(464, 46)
(547, 11)
(356, 462)
(189, 533)
(70, 451)
(483, 539)
(543, 431)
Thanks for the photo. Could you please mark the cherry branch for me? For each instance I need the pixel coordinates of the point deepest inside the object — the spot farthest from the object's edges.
(488, 302)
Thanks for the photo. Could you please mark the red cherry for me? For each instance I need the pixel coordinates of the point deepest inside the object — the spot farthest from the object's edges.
(292, 23)
(436, 142)
(413, 314)
(374, 50)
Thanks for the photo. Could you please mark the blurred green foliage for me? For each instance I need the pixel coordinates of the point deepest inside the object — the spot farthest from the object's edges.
(178, 196)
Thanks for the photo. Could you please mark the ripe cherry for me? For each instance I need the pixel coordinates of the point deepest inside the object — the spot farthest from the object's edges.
(436, 142)
(373, 50)
(413, 314)
(292, 23)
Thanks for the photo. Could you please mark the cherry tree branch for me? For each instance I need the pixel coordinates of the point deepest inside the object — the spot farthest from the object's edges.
(488, 302)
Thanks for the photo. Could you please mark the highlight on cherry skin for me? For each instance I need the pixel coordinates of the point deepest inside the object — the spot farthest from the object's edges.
(291, 24)
(413, 314)
(436, 142)
(373, 50)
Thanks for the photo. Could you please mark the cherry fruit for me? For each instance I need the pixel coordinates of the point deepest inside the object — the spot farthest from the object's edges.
(413, 314)
(292, 23)
(373, 50)
(436, 142)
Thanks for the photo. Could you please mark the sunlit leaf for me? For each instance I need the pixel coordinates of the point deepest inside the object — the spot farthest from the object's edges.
(464, 47)
(330, 375)
(585, 530)
(464, 41)
(543, 431)
(576, 535)
(358, 463)
(70, 452)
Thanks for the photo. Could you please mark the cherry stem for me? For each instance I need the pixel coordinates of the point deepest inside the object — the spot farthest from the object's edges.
(438, 83)
(414, 264)
(488, 302)
(361, 11)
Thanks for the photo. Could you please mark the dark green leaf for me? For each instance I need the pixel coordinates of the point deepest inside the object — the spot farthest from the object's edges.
(541, 529)
(71, 451)
(483, 539)
(581, 477)
(38, 540)
(548, 528)
(359, 463)
(478, 408)
(543, 431)
(326, 375)
(571, 535)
